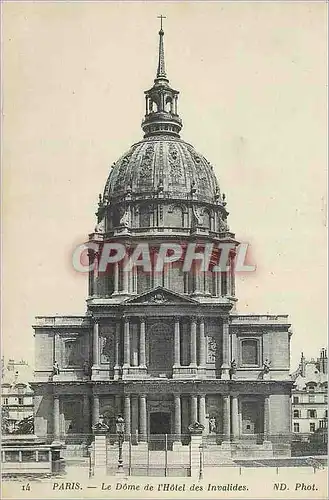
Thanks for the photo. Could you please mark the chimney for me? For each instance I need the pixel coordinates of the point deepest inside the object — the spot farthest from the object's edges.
(323, 361)
(302, 365)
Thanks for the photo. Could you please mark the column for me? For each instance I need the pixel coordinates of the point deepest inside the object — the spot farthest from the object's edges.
(127, 415)
(146, 105)
(178, 416)
(134, 279)
(56, 422)
(95, 276)
(193, 342)
(177, 343)
(57, 347)
(125, 276)
(235, 417)
(226, 418)
(91, 273)
(218, 278)
(116, 277)
(117, 345)
(142, 418)
(266, 418)
(226, 350)
(126, 343)
(142, 348)
(95, 410)
(96, 344)
(233, 276)
(86, 414)
(229, 276)
(194, 409)
(202, 410)
(197, 279)
(134, 346)
(202, 344)
(134, 418)
(117, 404)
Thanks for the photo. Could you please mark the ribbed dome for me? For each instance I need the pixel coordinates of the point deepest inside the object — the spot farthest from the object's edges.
(162, 164)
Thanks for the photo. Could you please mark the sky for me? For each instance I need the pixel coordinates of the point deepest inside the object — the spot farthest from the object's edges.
(253, 100)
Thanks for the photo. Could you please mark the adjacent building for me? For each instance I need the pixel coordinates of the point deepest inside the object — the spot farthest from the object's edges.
(16, 394)
(310, 396)
(168, 348)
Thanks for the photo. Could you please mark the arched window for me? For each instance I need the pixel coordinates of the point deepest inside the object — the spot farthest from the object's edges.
(249, 354)
(296, 414)
(168, 106)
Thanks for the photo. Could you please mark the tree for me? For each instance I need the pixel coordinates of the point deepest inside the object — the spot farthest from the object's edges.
(4, 420)
(25, 426)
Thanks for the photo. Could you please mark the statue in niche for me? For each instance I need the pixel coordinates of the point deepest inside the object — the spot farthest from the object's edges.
(106, 348)
(211, 349)
(125, 219)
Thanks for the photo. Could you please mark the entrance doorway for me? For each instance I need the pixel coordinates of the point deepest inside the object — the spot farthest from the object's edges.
(160, 425)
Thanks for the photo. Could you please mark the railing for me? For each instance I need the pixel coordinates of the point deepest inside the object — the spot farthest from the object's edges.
(264, 318)
(61, 321)
(151, 455)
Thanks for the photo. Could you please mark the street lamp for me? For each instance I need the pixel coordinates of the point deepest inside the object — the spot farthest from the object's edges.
(120, 430)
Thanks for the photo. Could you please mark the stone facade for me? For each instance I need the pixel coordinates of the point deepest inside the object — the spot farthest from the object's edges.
(310, 396)
(165, 349)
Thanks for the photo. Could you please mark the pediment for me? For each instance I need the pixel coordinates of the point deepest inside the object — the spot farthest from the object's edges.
(159, 296)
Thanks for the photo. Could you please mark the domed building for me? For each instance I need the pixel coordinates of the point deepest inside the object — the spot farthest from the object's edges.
(164, 346)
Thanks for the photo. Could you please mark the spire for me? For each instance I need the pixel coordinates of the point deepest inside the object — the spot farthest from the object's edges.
(161, 116)
(161, 72)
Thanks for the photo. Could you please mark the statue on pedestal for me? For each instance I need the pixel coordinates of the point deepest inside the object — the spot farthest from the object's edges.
(55, 368)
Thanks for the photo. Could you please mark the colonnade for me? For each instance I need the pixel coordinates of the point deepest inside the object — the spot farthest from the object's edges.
(135, 409)
(127, 283)
(135, 355)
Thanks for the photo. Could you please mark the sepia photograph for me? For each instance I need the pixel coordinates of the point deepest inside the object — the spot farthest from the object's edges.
(164, 249)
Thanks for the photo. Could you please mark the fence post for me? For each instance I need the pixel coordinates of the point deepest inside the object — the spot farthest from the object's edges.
(166, 455)
(129, 467)
(196, 431)
(100, 448)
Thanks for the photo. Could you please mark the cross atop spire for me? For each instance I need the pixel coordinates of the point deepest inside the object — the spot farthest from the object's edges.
(161, 18)
(161, 72)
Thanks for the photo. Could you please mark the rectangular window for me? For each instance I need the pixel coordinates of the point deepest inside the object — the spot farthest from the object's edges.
(312, 427)
(325, 398)
(6, 401)
(296, 414)
(311, 398)
(20, 401)
(296, 427)
(311, 413)
(249, 348)
(295, 400)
